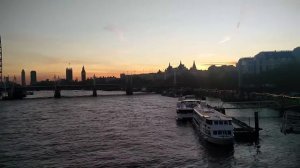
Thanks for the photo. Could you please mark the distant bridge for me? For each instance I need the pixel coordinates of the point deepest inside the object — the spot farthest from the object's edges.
(75, 87)
(17, 92)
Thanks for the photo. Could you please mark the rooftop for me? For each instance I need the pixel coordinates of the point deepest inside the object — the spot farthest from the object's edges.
(210, 113)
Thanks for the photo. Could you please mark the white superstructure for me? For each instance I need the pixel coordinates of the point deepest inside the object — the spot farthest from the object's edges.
(185, 108)
(214, 126)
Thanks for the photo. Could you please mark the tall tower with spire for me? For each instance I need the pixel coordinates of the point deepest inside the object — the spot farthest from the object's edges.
(168, 71)
(23, 78)
(83, 74)
(69, 74)
(181, 67)
(193, 68)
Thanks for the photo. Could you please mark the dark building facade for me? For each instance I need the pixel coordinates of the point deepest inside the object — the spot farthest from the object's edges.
(83, 74)
(265, 61)
(69, 74)
(23, 78)
(33, 77)
(171, 72)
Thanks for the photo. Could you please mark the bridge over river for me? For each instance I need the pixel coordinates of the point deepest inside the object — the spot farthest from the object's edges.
(14, 91)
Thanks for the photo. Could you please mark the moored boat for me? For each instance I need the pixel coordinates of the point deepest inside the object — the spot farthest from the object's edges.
(185, 108)
(214, 126)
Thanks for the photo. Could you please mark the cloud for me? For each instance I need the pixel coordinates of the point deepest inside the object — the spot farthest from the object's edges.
(238, 25)
(119, 33)
(220, 63)
(225, 39)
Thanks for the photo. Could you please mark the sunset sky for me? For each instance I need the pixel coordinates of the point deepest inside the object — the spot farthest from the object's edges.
(109, 37)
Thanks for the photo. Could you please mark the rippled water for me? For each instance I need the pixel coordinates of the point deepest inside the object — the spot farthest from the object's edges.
(126, 131)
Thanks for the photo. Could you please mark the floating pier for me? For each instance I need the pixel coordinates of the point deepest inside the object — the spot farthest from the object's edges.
(243, 132)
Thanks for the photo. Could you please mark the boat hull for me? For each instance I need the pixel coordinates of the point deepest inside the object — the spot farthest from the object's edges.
(220, 141)
(224, 141)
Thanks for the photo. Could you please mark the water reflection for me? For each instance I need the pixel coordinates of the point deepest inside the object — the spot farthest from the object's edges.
(215, 155)
(119, 131)
(210, 154)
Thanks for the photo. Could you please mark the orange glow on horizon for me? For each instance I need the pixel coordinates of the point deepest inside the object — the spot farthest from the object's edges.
(44, 74)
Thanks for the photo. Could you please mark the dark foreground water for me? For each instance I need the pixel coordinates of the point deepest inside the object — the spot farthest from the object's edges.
(127, 131)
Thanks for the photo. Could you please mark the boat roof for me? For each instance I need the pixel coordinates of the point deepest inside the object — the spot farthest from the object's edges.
(210, 113)
(189, 100)
(189, 96)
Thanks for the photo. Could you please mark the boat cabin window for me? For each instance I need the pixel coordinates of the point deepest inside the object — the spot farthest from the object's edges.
(225, 123)
(209, 122)
(222, 132)
(220, 122)
(215, 122)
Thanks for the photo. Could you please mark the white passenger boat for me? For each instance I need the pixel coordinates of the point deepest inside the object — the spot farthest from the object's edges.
(214, 126)
(185, 108)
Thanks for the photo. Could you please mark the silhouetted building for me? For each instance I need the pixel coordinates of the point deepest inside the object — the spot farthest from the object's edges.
(69, 74)
(23, 78)
(33, 77)
(169, 68)
(169, 71)
(83, 74)
(181, 68)
(193, 68)
(246, 65)
(6, 79)
(296, 53)
(122, 76)
(265, 61)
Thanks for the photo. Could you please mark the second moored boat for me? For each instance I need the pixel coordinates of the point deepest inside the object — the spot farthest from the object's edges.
(185, 107)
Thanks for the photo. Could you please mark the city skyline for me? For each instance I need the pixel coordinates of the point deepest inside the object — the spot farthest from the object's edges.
(115, 37)
(68, 75)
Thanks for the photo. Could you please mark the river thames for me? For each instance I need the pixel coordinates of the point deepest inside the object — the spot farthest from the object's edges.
(114, 130)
